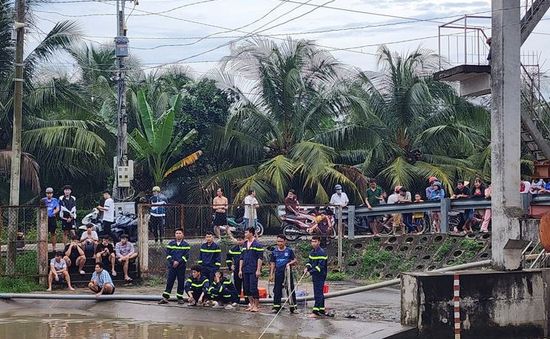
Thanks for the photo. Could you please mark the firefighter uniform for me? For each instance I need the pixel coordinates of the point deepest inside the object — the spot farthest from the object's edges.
(224, 291)
(233, 257)
(198, 286)
(249, 258)
(317, 267)
(209, 259)
(176, 252)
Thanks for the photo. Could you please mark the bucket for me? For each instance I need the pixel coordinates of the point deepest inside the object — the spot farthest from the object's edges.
(325, 289)
(263, 292)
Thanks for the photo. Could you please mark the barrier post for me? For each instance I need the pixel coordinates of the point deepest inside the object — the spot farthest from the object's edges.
(42, 225)
(444, 215)
(351, 222)
(340, 240)
(143, 242)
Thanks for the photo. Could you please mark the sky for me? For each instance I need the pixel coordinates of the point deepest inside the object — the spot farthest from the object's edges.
(198, 33)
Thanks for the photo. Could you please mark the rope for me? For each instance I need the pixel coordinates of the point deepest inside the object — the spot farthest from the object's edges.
(280, 309)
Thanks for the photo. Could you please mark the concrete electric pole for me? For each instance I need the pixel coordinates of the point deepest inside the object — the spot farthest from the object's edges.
(123, 172)
(15, 177)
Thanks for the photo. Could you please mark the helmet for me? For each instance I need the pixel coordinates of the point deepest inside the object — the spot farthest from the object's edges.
(156, 189)
(337, 187)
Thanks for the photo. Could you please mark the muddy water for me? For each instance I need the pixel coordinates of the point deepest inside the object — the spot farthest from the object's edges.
(71, 326)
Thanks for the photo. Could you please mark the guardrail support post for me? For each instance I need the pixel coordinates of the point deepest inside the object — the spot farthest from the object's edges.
(42, 255)
(143, 242)
(340, 239)
(445, 209)
(351, 222)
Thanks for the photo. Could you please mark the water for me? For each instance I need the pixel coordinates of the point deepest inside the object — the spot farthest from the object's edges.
(79, 326)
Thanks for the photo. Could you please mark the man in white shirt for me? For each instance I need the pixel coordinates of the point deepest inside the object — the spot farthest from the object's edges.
(59, 269)
(108, 209)
(250, 206)
(394, 197)
(89, 240)
(339, 198)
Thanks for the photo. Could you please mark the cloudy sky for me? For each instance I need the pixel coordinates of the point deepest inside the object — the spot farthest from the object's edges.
(198, 32)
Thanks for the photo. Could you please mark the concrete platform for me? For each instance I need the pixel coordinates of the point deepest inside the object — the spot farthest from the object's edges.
(491, 304)
(475, 80)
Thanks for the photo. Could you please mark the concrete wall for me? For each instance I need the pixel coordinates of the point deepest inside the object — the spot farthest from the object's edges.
(492, 304)
(530, 230)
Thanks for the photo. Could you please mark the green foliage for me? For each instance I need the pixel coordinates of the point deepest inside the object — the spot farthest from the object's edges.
(19, 285)
(336, 276)
(444, 249)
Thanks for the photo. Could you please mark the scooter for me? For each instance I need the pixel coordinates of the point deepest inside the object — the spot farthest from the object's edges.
(295, 227)
(124, 224)
(236, 223)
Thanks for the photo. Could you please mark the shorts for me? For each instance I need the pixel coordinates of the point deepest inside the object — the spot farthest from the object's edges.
(52, 224)
(67, 226)
(251, 285)
(107, 227)
(108, 293)
(220, 219)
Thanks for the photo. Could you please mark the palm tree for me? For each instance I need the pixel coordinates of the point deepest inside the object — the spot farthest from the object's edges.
(404, 127)
(292, 94)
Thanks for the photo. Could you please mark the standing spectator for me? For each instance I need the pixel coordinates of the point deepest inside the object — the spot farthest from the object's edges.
(125, 252)
(177, 253)
(394, 197)
(232, 261)
(108, 210)
(339, 198)
(106, 251)
(374, 197)
(292, 204)
(487, 214)
(250, 206)
(478, 190)
(52, 207)
(317, 268)
(89, 240)
(418, 217)
(250, 268)
(282, 258)
(158, 214)
(101, 282)
(429, 189)
(220, 204)
(463, 192)
(436, 194)
(74, 255)
(67, 214)
(209, 257)
(405, 198)
(58, 270)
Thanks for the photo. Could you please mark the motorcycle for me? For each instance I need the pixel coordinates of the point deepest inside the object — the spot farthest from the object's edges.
(125, 223)
(294, 227)
(236, 223)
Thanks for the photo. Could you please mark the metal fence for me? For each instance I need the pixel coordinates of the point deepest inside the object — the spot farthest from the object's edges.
(23, 243)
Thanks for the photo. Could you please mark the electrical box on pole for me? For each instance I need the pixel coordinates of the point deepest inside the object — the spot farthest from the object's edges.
(121, 47)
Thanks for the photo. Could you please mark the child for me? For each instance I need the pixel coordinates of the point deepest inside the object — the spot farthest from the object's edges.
(197, 287)
(209, 257)
(317, 268)
(437, 194)
(418, 217)
(223, 292)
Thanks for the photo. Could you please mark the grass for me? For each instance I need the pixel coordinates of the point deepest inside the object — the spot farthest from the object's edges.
(444, 249)
(336, 276)
(19, 285)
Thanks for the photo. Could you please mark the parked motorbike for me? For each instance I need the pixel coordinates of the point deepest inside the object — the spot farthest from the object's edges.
(294, 227)
(125, 223)
(236, 223)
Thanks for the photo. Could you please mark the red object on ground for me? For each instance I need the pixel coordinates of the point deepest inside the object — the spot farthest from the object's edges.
(325, 289)
(263, 292)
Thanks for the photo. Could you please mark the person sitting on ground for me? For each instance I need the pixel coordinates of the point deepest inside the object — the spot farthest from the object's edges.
(58, 270)
(106, 252)
(223, 292)
(197, 287)
(125, 252)
(418, 217)
(101, 282)
(74, 254)
(89, 240)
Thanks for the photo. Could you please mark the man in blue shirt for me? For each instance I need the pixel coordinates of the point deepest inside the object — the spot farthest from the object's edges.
(158, 213)
(250, 268)
(282, 258)
(317, 268)
(101, 282)
(209, 257)
(52, 206)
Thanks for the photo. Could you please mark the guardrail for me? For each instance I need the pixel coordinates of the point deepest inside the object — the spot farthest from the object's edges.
(444, 206)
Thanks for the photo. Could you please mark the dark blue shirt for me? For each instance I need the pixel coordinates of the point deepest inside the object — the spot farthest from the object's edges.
(281, 258)
(177, 252)
(210, 255)
(51, 205)
(233, 257)
(199, 285)
(317, 263)
(250, 256)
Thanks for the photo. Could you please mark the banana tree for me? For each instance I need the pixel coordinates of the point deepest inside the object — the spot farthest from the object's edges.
(156, 142)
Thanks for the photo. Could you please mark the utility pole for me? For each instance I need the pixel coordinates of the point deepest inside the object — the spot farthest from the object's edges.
(122, 178)
(15, 178)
